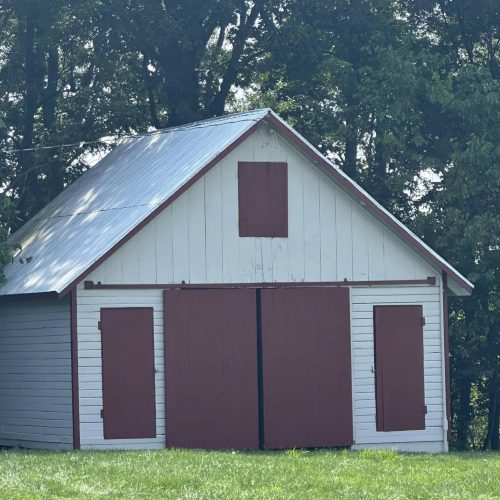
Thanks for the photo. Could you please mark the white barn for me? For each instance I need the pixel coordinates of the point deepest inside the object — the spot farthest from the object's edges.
(223, 285)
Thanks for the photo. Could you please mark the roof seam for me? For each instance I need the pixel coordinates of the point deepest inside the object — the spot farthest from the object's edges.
(95, 211)
(210, 122)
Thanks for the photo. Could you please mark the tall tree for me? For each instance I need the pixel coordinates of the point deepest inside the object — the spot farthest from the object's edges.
(352, 78)
(61, 82)
(193, 51)
(73, 72)
(465, 92)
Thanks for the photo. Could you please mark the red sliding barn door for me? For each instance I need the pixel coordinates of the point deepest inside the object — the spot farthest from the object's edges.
(306, 367)
(399, 363)
(211, 368)
(128, 384)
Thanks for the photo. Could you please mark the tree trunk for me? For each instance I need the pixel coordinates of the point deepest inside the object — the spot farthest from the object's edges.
(491, 441)
(466, 37)
(351, 139)
(181, 83)
(55, 170)
(148, 81)
(464, 414)
(231, 73)
(26, 187)
(378, 174)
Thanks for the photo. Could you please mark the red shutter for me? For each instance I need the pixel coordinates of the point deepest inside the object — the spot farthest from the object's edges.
(128, 384)
(263, 199)
(399, 363)
(306, 367)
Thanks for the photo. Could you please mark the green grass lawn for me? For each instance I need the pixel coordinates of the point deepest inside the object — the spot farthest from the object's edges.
(292, 474)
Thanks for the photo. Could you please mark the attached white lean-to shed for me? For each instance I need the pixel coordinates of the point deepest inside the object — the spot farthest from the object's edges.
(219, 266)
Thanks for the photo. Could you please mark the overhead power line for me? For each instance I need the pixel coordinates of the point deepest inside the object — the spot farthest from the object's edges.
(54, 146)
(201, 124)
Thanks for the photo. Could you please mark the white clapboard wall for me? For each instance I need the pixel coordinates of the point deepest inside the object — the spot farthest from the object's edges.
(90, 303)
(363, 299)
(331, 237)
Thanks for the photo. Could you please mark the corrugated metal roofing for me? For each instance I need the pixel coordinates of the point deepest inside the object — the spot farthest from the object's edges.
(105, 204)
(108, 201)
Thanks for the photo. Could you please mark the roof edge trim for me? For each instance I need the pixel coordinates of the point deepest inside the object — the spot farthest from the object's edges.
(362, 196)
(248, 132)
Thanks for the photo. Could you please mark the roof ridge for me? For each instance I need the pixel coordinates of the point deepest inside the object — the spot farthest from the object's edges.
(197, 124)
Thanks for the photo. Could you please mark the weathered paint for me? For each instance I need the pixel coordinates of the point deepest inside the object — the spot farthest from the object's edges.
(328, 240)
(90, 285)
(196, 240)
(363, 300)
(461, 286)
(55, 234)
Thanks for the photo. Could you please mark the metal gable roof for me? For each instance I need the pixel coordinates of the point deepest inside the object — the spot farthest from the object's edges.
(131, 185)
(99, 209)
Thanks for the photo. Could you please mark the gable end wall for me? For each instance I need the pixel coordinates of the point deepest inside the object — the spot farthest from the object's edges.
(196, 239)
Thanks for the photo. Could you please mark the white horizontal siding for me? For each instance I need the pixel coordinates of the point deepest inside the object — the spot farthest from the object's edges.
(196, 239)
(363, 300)
(90, 303)
(35, 373)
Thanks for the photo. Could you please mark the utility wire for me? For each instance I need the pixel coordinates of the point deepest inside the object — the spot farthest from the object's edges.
(69, 145)
(210, 122)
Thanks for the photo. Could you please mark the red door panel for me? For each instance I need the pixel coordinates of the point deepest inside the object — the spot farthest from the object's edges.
(399, 363)
(306, 355)
(211, 369)
(128, 384)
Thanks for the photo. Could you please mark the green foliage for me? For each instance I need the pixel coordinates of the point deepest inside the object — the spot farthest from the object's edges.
(355, 85)
(256, 475)
(61, 82)
(83, 70)
(466, 207)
